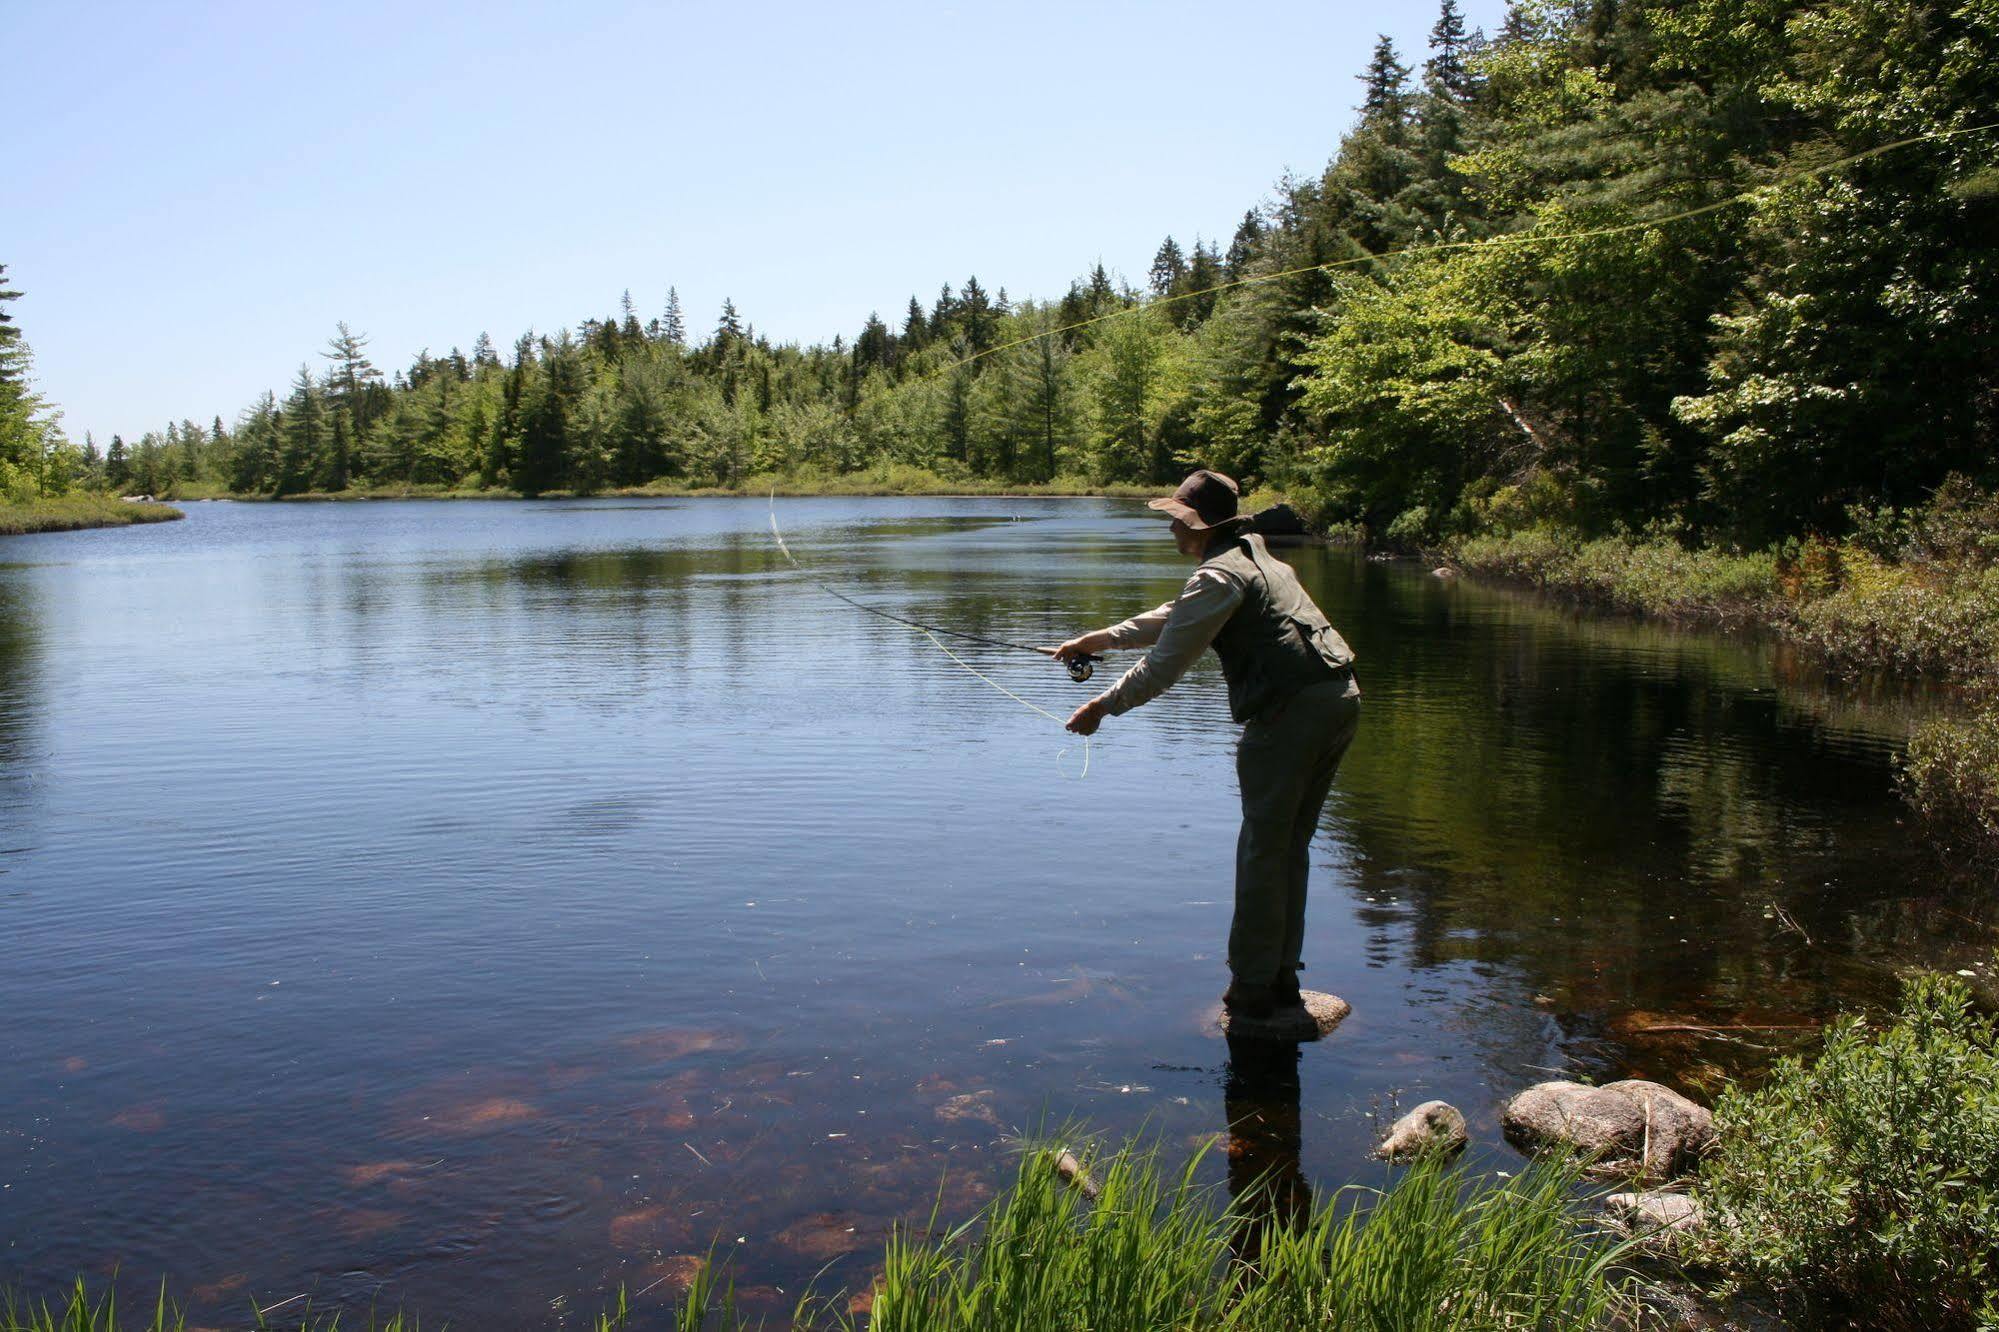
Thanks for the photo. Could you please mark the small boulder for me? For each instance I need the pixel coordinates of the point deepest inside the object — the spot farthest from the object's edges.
(1313, 1016)
(1443, 571)
(1434, 1126)
(1654, 1214)
(1629, 1128)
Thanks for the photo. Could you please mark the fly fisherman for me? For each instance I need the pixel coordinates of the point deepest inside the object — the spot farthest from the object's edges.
(1291, 683)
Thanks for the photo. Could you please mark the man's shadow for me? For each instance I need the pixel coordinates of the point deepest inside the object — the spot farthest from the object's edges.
(1260, 1099)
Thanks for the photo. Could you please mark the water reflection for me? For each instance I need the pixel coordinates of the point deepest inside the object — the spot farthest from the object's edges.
(1265, 1142)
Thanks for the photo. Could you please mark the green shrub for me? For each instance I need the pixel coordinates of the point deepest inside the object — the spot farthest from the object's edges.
(1862, 1186)
(1655, 575)
(1950, 777)
(1410, 530)
(1924, 619)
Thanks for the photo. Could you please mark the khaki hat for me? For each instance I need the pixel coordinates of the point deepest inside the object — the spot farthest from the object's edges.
(1204, 500)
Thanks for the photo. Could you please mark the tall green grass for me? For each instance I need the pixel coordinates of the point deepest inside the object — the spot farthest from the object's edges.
(1157, 1251)
(1440, 1251)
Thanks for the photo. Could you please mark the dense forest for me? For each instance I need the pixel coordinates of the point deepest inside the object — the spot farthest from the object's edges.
(1491, 308)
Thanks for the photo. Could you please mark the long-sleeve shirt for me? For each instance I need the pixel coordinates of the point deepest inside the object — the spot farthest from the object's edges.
(1178, 631)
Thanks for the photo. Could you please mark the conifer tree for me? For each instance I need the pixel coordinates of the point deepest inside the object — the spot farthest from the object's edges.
(1446, 73)
(915, 327)
(1248, 234)
(1386, 103)
(674, 326)
(1169, 267)
(304, 435)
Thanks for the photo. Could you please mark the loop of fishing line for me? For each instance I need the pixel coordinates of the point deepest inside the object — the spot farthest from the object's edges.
(931, 633)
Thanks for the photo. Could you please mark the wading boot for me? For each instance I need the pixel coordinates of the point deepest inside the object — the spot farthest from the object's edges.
(1249, 1001)
(1286, 991)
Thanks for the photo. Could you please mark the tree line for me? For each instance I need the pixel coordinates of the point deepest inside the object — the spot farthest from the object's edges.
(1764, 367)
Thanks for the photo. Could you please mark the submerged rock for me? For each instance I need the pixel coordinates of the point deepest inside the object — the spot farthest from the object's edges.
(1654, 1213)
(1629, 1128)
(1434, 1126)
(975, 1106)
(1315, 1015)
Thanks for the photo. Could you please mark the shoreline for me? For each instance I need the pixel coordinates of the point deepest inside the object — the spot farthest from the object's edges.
(77, 513)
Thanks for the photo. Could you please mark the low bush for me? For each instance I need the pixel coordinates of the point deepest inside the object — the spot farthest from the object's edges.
(1862, 1185)
(1909, 617)
(1654, 576)
(1950, 777)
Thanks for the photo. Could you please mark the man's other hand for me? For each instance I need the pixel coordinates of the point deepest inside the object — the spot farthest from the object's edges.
(1086, 719)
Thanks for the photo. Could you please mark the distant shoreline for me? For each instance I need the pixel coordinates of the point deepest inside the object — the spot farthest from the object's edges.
(75, 513)
(750, 488)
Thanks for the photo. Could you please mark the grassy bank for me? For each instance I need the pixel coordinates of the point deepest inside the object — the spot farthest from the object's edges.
(71, 513)
(1907, 592)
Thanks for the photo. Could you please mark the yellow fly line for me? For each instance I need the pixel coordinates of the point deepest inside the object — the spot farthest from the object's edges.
(926, 631)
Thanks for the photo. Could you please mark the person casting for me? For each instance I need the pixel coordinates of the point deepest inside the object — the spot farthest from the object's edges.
(1290, 683)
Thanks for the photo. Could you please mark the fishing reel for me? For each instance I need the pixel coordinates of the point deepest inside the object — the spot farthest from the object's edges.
(1083, 667)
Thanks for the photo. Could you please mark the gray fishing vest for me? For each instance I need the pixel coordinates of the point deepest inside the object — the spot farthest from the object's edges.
(1277, 642)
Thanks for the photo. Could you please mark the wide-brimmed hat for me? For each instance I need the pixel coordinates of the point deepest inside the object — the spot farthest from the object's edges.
(1205, 499)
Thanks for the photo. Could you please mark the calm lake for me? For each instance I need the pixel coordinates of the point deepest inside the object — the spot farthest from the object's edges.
(474, 907)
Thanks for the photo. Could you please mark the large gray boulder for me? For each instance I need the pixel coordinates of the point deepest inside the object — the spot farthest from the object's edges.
(1625, 1129)
(1434, 1126)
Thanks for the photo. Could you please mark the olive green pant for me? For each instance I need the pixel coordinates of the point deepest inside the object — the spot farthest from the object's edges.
(1285, 765)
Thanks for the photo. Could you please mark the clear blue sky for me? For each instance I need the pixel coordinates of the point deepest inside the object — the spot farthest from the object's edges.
(200, 190)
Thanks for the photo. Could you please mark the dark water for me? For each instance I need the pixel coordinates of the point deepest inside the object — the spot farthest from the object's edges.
(476, 906)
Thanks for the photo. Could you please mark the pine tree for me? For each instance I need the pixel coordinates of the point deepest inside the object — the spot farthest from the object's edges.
(351, 379)
(1446, 73)
(729, 329)
(976, 314)
(117, 464)
(304, 435)
(1243, 248)
(915, 327)
(674, 326)
(1169, 267)
(1387, 101)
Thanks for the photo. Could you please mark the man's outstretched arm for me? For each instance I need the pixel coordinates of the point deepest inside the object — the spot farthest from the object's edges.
(1139, 631)
(1187, 629)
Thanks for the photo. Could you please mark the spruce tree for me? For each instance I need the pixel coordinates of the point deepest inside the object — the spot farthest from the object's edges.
(674, 326)
(1248, 235)
(1386, 103)
(1446, 73)
(1169, 267)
